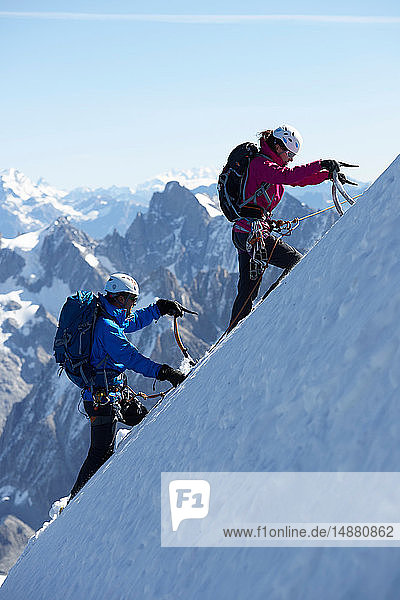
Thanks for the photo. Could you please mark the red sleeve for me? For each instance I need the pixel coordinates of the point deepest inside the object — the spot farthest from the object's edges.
(309, 174)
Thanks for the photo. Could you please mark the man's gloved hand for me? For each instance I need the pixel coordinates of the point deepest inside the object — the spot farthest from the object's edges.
(167, 373)
(342, 178)
(330, 165)
(170, 307)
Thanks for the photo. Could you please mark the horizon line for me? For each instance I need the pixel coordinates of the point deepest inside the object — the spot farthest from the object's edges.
(198, 19)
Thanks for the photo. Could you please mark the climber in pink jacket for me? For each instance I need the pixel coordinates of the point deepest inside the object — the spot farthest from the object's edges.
(267, 175)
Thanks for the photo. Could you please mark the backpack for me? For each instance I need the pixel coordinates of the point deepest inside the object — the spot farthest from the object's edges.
(74, 337)
(232, 181)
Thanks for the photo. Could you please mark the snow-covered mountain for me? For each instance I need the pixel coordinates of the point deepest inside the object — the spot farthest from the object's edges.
(180, 248)
(308, 382)
(190, 179)
(26, 206)
(37, 271)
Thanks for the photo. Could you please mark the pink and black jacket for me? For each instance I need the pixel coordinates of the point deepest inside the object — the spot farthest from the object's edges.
(267, 172)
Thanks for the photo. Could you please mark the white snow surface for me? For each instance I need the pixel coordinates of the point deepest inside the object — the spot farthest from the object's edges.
(210, 205)
(88, 256)
(13, 307)
(22, 187)
(25, 242)
(308, 382)
(28, 245)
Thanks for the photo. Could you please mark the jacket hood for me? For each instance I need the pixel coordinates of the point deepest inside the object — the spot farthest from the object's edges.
(265, 149)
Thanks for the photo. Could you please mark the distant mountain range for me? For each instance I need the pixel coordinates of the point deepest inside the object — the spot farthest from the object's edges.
(27, 206)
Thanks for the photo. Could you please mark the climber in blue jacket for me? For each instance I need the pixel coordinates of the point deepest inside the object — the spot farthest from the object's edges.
(110, 400)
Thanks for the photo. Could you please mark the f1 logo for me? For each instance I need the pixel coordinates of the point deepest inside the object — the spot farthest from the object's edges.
(188, 499)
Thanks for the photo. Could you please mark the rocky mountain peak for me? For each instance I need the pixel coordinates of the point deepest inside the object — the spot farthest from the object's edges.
(175, 202)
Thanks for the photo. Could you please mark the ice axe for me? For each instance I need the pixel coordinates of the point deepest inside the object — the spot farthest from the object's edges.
(344, 164)
(345, 180)
(183, 349)
(186, 310)
(337, 184)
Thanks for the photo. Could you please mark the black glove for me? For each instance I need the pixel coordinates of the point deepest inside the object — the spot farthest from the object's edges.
(343, 179)
(170, 307)
(172, 375)
(330, 165)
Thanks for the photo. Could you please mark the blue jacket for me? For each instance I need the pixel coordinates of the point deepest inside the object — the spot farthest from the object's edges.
(112, 351)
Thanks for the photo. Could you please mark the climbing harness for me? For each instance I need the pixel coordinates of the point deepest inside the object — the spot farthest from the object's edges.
(255, 245)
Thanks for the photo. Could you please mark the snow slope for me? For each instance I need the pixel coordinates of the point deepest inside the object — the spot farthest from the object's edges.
(316, 389)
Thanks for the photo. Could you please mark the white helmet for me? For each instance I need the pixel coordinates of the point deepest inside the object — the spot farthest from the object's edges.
(120, 282)
(289, 136)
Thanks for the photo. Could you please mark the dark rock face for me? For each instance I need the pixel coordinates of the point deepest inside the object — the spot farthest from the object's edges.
(14, 535)
(62, 258)
(10, 264)
(174, 234)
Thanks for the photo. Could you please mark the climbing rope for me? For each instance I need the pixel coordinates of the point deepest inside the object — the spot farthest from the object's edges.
(160, 395)
(318, 212)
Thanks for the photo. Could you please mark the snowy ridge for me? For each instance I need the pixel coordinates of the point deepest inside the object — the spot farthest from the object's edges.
(26, 206)
(316, 389)
(20, 311)
(190, 179)
(19, 185)
(24, 242)
(210, 204)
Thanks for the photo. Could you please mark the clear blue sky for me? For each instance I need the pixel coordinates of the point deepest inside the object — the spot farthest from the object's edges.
(101, 101)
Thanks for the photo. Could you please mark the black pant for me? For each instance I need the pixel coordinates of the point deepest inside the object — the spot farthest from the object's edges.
(103, 430)
(283, 256)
